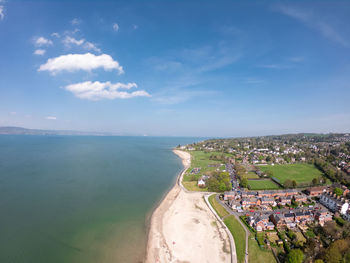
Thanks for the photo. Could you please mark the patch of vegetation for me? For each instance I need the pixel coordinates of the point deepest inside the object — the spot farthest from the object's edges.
(221, 211)
(301, 173)
(192, 186)
(264, 184)
(258, 254)
(219, 182)
(238, 234)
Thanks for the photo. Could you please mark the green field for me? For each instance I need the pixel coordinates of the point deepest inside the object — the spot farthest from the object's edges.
(220, 210)
(200, 159)
(251, 175)
(238, 234)
(264, 184)
(302, 173)
(256, 254)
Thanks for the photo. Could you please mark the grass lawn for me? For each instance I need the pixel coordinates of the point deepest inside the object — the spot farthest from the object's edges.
(192, 186)
(264, 184)
(238, 234)
(200, 160)
(273, 237)
(302, 173)
(256, 254)
(251, 175)
(220, 210)
(300, 237)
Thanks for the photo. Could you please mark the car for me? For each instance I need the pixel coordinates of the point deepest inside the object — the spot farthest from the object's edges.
(278, 212)
(252, 211)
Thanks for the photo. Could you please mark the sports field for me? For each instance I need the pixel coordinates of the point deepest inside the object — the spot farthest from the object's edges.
(264, 184)
(302, 173)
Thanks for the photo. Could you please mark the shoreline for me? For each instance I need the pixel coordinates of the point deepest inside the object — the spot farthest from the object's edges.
(151, 214)
(181, 226)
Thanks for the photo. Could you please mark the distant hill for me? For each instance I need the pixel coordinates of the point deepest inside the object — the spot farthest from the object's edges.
(24, 131)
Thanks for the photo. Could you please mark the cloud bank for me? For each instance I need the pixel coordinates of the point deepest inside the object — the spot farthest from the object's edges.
(76, 62)
(105, 90)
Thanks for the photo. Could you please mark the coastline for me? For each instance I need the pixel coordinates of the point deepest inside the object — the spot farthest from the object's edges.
(181, 226)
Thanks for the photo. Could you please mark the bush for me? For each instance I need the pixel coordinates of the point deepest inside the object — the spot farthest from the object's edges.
(340, 221)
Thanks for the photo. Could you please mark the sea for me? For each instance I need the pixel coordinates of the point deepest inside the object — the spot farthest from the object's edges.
(81, 198)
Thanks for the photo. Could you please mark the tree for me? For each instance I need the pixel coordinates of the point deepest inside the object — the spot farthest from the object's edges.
(347, 257)
(318, 261)
(219, 182)
(338, 191)
(332, 255)
(295, 256)
(244, 182)
(314, 181)
(294, 183)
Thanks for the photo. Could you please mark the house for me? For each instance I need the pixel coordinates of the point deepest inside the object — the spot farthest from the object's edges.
(278, 220)
(322, 217)
(289, 217)
(268, 201)
(300, 198)
(269, 226)
(316, 191)
(248, 202)
(278, 193)
(260, 223)
(248, 194)
(284, 200)
(229, 195)
(334, 203)
(201, 183)
(303, 217)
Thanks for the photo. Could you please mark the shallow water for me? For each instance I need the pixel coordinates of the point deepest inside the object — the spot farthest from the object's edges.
(81, 199)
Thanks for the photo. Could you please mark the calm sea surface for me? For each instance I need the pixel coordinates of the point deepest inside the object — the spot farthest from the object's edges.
(81, 199)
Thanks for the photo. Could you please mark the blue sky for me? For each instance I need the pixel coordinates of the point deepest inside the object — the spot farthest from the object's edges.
(193, 68)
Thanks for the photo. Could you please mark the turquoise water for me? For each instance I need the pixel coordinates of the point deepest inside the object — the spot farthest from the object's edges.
(81, 199)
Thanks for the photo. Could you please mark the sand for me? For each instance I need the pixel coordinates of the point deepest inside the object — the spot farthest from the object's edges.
(183, 229)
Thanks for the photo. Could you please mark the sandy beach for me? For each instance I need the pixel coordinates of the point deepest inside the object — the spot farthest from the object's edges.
(183, 229)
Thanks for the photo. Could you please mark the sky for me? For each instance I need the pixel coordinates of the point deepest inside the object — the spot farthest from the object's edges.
(176, 68)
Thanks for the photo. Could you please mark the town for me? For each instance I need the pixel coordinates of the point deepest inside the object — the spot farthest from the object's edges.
(289, 191)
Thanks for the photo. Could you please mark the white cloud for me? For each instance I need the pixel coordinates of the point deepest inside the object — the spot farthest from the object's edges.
(75, 62)
(115, 27)
(42, 41)
(51, 118)
(39, 52)
(91, 46)
(2, 14)
(69, 41)
(75, 21)
(313, 21)
(55, 34)
(13, 113)
(105, 90)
